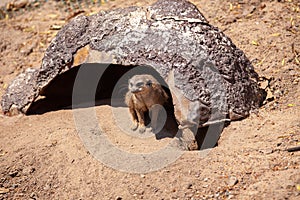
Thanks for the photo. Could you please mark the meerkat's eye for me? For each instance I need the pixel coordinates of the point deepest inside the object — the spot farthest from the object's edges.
(149, 83)
(139, 84)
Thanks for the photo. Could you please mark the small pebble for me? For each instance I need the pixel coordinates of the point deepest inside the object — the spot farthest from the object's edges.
(14, 186)
(266, 151)
(28, 170)
(232, 181)
(13, 174)
(189, 186)
(33, 196)
(4, 190)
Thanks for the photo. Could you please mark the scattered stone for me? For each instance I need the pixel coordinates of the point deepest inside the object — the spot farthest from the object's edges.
(2, 180)
(296, 81)
(28, 170)
(229, 195)
(292, 72)
(33, 195)
(14, 186)
(189, 186)
(278, 93)
(249, 11)
(119, 198)
(264, 84)
(143, 175)
(270, 96)
(232, 180)
(266, 151)
(17, 4)
(55, 27)
(47, 187)
(279, 144)
(13, 174)
(4, 190)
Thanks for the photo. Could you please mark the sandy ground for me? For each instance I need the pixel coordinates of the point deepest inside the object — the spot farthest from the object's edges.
(43, 156)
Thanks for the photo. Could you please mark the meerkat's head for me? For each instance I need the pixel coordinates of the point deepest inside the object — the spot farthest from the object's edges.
(141, 83)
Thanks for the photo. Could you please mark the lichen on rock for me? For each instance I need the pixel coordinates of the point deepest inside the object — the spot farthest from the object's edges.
(200, 64)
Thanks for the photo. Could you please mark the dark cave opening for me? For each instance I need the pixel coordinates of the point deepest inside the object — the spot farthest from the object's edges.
(110, 89)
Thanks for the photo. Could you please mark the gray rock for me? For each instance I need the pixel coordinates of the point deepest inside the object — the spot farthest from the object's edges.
(208, 76)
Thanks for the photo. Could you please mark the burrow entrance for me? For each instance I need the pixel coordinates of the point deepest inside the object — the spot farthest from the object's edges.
(111, 90)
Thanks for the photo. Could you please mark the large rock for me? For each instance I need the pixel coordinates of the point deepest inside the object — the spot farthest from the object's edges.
(210, 79)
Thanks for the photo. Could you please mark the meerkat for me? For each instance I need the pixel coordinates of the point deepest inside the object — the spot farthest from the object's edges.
(144, 94)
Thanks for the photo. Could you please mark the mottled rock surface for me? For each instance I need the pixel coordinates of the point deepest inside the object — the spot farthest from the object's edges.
(209, 77)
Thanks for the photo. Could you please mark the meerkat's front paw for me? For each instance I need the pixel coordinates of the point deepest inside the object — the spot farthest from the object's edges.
(134, 125)
(142, 128)
(193, 146)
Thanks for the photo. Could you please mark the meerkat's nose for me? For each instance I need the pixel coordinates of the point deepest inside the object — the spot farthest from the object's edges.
(135, 89)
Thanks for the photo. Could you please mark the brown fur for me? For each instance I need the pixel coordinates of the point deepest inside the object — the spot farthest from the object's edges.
(144, 92)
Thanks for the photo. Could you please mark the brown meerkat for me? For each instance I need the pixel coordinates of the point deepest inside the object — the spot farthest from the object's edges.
(144, 94)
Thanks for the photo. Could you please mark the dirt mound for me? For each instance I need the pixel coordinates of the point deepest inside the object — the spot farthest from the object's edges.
(42, 156)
